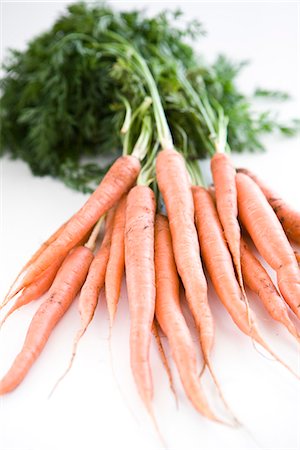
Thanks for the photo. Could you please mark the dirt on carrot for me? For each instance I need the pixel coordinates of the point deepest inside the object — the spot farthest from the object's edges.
(140, 280)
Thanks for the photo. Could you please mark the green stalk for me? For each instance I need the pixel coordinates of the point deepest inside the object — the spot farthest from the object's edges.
(135, 120)
(147, 174)
(195, 173)
(217, 126)
(125, 50)
(142, 144)
(163, 130)
(128, 114)
(197, 102)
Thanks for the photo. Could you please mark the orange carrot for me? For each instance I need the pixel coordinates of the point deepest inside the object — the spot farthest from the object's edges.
(116, 182)
(140, 279)
(45, 244)
(218, 262)
(223, 173)
(269, 238)
(288, 216)
(259, 281)
(171, 319)
(212, 191)
(175, 187)
(36, 289)
(297, 254)
(92, 286)
(95, 279)
(64, 289)
(11, 293)
(116, 261)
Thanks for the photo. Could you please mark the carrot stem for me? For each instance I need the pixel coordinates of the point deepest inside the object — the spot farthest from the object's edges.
(122, 47)
(91, 243)
(136, 116)
(128, 115)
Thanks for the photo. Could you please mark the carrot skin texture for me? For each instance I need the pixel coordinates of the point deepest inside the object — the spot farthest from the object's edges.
(223, 173)
(45, 273)
(175, 186)
(171, 319)
(140, 279)
(36, 289)
(64, 289)
(217, 258)
(120, 177)
(116, 262)
(288, 216)
(45, 245)
(259, 281)
(33, 258)
(219, 265)
(269, 238)
(94, 282)
(91, 288)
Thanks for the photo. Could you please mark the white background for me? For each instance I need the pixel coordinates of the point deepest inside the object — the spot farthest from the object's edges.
(89, 410)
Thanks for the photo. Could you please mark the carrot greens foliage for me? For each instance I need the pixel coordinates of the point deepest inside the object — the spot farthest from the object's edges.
(62, 98)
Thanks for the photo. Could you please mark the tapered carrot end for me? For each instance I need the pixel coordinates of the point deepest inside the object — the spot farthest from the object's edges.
(156, 427)
(257, 337)
(236, 422)
(206, 412)
(12, 309)
(202, 370)
(79, 335)
(292, 329)
(164, 359)
(111, 313)
(10, 295)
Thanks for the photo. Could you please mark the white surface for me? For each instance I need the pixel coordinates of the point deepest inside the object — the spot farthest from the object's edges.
(87, 410)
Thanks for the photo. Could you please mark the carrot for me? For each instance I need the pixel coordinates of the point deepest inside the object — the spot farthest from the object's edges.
(171, 319)
(115, 183)
(116, 261)
(175, 187)
(212, 191)
(92, 286)
(11, 293)
(174, 184)
(140, 280)
(95, 279)
(218, 262)
(259, 281)
(288, 217)
(223, 173)
(64, 289)
(297, 255)
(269, 238)
(36, 289)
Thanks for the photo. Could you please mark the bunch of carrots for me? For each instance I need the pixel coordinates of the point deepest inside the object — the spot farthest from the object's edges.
(157, 247)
